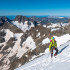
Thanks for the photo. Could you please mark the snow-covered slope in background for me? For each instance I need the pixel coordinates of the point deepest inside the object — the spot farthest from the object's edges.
(61, 62)
(29, 44)
(13, 47)
(57, 26)
(24, 27)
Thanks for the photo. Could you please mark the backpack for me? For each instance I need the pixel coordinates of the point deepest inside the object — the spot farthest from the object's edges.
(52, 42)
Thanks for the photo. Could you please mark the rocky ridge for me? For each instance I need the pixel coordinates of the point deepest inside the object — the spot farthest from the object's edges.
(18, 47)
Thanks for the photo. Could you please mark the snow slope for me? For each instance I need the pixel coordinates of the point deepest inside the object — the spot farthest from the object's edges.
(15, 49)
(24, 27)
(61, 62)
(57, 26)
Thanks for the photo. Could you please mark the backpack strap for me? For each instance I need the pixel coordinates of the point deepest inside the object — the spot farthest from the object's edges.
(51, 41)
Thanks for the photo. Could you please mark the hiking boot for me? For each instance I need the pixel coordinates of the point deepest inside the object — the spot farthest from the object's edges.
(55, 54)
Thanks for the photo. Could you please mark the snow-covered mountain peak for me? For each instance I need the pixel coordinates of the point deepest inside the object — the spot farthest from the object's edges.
(23, 23)
(24, 27)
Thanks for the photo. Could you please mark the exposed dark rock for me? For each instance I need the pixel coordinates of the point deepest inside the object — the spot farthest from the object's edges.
(23, 38)
(16, 62)
(1, 63)
(20, 19)
(2, 33)
(9, 44)
(13, 58)
(1, 47)
(3, 19)
(11, 27)
(2, 40)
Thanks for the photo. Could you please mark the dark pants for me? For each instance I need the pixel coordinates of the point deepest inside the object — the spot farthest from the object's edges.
(53, 48)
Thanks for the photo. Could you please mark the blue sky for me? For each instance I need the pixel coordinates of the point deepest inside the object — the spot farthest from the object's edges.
(35, 7)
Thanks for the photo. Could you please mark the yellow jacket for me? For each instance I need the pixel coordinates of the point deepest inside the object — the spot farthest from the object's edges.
(52, 43)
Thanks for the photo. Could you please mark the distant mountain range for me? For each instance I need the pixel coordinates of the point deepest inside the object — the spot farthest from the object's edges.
(22, 38)
(45, 19)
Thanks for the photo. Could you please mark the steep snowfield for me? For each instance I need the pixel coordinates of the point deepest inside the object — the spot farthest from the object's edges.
(46, 40)
(9, 34)
(61, 62)
(29, 44)
(24, 27)
(57, 26)
(16, 49)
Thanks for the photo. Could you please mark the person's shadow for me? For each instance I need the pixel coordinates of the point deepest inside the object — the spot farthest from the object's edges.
(62, 49)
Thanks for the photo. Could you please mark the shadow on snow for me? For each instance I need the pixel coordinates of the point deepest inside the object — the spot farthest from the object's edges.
(62, 49)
